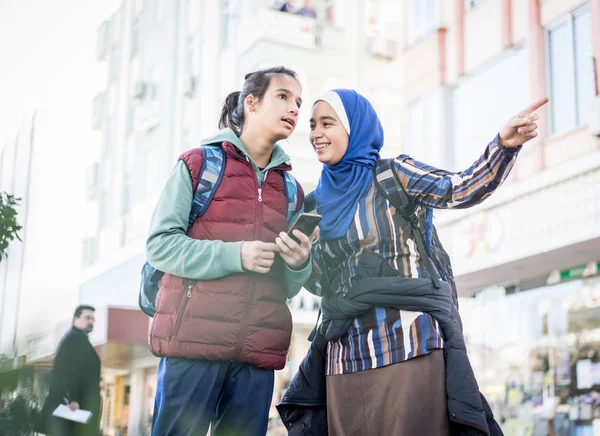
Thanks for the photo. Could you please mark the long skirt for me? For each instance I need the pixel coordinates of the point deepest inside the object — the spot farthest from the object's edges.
(406, 398)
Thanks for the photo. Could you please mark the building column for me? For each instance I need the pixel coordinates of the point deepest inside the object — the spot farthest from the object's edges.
(459, 12)
(136, 401)
(537, 78)
(442, 55)
(507, 36)
(595, 11)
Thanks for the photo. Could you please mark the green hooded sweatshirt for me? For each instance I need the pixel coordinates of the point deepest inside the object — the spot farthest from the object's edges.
(169, 249)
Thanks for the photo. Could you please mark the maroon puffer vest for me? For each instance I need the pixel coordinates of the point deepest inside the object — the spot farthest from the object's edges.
(241, 317)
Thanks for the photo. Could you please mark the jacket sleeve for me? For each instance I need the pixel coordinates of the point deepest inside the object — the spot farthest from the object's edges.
(169, 249)
(436, 188)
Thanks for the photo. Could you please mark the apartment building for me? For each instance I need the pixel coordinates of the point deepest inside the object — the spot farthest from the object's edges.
(529, 255)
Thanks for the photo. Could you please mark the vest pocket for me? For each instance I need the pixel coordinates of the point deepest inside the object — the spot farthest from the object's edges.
(186, 298)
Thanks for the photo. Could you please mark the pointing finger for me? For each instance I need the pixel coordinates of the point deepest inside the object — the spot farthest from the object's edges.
(533, 107)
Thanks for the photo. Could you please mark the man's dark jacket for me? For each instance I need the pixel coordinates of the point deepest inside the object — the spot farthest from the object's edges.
(76, 377)
(303, 407)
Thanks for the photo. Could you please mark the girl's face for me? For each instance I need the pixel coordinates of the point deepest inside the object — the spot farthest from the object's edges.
(328, 136)
(276, 114)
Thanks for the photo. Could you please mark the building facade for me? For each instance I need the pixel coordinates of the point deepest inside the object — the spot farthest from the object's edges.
(526, 260)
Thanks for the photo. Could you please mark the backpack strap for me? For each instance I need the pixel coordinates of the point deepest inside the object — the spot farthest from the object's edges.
(405, 205)
(291, 193)
(388, 183)
(209, 179)
(310, 202)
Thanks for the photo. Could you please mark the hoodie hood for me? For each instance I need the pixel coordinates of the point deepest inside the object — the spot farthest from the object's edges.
(278, 157)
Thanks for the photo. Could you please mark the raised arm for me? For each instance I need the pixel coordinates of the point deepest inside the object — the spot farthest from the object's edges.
(443, 189)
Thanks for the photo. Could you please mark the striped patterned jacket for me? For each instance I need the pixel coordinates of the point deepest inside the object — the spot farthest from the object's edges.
(385, 336)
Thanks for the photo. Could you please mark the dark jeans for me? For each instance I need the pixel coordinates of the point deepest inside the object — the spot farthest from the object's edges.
(232, 397)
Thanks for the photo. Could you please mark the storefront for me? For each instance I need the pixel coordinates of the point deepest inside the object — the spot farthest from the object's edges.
(536, 354)
(527, 266)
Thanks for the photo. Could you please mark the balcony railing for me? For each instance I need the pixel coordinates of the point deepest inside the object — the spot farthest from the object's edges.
(279, 27)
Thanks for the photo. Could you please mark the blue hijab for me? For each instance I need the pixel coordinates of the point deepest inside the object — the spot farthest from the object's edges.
(341, 185)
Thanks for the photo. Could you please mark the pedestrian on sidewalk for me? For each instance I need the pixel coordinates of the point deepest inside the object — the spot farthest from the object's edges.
(222, 325)
(75, 380)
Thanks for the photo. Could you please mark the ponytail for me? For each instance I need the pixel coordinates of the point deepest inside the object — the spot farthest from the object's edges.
(231, 115)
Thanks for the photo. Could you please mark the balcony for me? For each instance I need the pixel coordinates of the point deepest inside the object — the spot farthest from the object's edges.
(278, 27)
(282, 28)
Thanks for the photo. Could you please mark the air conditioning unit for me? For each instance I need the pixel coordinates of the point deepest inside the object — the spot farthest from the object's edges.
(102, 41)
(189, 86)
(139, 90)
(594, 116)
(381, 46)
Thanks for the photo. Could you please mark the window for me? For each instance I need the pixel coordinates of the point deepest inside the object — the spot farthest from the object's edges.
(136, 31)
(109, 137)
(89, 252)
(139, 174)
(229, 22)
(193, 55)
(571, 70)
(428, 124)
(194, 15)
(483, 102)
(115, 64)
(104, 209)
(159, 11)
(126, 196)
(423, 18)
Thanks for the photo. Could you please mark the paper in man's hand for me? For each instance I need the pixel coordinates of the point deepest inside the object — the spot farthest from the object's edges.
(81, 416)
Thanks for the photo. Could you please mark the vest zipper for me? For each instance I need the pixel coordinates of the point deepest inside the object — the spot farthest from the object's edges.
(250, 294)
(260, 189)
(182, 310)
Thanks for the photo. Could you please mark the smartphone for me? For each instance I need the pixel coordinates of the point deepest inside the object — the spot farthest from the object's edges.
(306, 223)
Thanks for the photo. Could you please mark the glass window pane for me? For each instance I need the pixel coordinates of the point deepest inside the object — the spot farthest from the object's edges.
(584, 64)
(429, 13)
(562, 81)
(484, 101)
(415, 17)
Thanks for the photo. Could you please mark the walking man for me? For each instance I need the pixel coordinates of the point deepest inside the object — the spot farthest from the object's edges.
(75, 380)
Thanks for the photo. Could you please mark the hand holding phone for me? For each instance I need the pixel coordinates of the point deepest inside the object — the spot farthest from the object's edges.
(291, 249)
(305, 223)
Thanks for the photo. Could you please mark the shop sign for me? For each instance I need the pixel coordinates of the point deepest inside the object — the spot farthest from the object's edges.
(577, 272)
